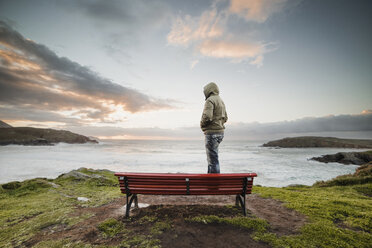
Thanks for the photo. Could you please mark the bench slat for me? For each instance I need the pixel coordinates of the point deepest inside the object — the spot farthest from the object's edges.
(182, 175)
(182, 187)
(182, 180)
(191, 183)
(175, 190)
(205, 192)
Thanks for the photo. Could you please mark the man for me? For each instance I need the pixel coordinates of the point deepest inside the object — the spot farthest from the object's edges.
(212, 123)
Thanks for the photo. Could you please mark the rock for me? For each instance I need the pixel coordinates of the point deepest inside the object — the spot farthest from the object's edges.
(54, 185)
(84, 199)
(39, 141)
(12, 185)
(357, 158)
(296, 185)
(79, 175)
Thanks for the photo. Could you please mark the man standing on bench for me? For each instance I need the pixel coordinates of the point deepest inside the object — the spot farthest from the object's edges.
(212, 123)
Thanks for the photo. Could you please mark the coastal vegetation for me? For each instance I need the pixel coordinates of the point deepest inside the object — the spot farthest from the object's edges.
(313, 141)
(84, 208)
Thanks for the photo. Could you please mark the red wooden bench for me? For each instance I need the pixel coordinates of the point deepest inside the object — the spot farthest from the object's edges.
(132, 184)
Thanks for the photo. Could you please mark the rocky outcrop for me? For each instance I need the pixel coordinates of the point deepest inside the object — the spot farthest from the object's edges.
(362, 175)
(312, 141)
(357, 158)
(4, 125)
(79, 175)
(40, 136)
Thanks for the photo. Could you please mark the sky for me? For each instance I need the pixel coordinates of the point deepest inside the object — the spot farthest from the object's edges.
(136, 69)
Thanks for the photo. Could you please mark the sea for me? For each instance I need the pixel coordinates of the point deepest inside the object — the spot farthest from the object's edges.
(276, 167)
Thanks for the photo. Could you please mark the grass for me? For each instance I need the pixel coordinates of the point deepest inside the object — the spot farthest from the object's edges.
(255, 224)
(67, 243)
(30, 206)
(111, 227)
(339, 214)
(143, 241)
(363, 175)
(160, 226)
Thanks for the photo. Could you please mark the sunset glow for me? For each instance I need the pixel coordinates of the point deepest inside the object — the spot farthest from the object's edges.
(117, 73)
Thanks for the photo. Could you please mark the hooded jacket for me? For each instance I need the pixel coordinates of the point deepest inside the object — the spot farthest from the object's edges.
(214, 114)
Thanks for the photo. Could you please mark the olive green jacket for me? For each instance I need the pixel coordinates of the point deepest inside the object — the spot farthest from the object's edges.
(214, 114)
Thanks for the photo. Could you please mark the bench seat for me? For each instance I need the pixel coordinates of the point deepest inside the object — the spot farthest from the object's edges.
(238, 184)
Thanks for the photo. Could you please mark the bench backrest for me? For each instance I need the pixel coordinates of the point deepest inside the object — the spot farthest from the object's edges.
(185, 184)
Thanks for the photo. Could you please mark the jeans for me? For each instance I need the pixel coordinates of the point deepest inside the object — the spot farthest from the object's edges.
(211, 145)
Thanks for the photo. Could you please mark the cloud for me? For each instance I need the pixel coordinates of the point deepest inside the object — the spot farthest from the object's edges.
(11, 114)
(130, 14)
(258, 61)
(32, 76)
(235, 50)
(211, 36)
(367, 112)
(194, 63)
(306, 126)
(123, 24)
(352, 126)
(188, 29)
(256, 10)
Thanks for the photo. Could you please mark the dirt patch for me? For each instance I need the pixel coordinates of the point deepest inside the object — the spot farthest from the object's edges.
(282, 220)
(176, 210)
(190, 234)
(85, 231)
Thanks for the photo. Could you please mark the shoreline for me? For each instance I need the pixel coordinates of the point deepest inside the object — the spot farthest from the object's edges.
(21, 163)
(67, 171)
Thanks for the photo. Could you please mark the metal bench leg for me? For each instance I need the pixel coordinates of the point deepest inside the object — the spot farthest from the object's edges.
(129, 203)
(237, 204)
(244, 206)
(241, 199)
(135, 201)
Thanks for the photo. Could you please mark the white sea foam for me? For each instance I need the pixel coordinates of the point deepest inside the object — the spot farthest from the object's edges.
(275, 167)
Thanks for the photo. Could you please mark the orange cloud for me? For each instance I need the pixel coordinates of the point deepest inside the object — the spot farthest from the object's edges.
(209, 34)
(256, 10)
(36, 83)
(233, 50)
(187, 30)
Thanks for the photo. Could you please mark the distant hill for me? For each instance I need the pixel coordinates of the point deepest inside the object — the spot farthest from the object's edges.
(312, 141)
(39, 136)
(4, 125)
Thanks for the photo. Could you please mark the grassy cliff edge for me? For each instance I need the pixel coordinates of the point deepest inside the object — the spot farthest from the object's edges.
(34, 212)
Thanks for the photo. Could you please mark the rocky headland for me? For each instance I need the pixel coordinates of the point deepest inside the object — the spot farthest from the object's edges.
(357, 158)
(313, 141)
(40, 136)
(4, 125)
(362, 175)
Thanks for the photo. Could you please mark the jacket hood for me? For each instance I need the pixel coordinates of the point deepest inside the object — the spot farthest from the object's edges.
(211, 89)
